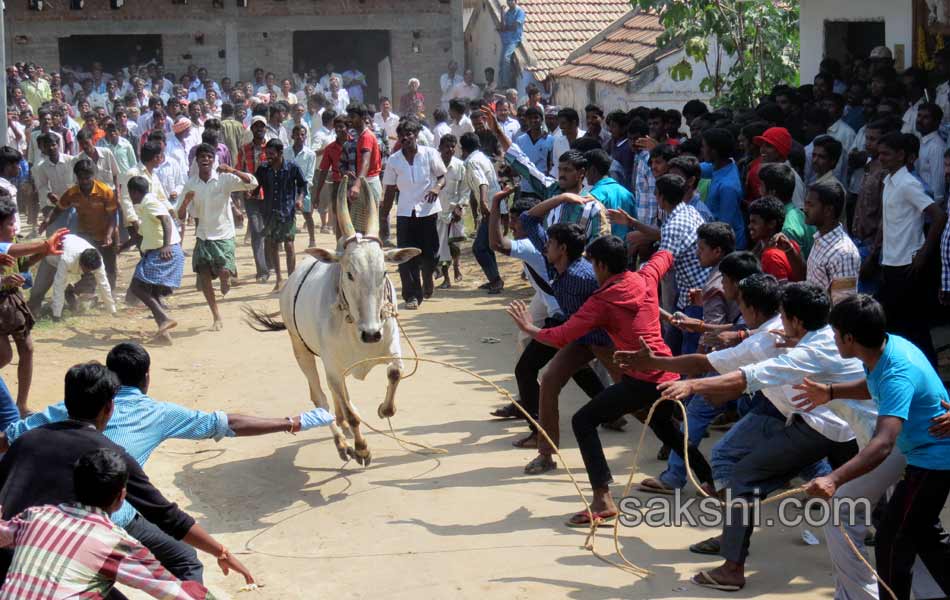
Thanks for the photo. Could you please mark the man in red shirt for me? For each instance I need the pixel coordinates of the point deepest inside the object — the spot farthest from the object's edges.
(251, 156)
(626, 306)
(332, 164)
(369, 164)
(766, 219)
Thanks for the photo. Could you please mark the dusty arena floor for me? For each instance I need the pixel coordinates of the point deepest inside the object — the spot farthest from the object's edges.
(467, 524)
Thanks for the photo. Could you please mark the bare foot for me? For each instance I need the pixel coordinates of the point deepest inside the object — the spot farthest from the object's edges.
(167, 326)
(445, 285)
(225, 285)
(458, 275)
(162, 338)
(218, 325)
(278, 286)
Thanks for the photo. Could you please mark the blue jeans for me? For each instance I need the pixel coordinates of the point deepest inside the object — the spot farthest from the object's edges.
(504, 70)
(484, 254)
(8, 410)
(740, 441)
(699, 414)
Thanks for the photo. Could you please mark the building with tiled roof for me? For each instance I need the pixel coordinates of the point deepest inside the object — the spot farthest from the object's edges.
(553, 29)
(624, 66)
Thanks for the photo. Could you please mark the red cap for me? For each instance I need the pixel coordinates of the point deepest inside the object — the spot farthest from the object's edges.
(777, 137)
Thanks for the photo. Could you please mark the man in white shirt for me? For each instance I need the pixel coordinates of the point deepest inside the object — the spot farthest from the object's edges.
(839, 130)
(107, 169)
(338, 97)
(482, 183)
(152, 156)
(448, 81)
(509, 124)
(10, 169)
(915, 86)
(468, 90)
(298, 152)
(569, 130)
(34, 155)
(418, 174)
(52, 177)
(386, 120)
(330, 74)
(792, 441)
(207, 196)
(459, 123)
(932, 148)
(75, 271)
(909, 283)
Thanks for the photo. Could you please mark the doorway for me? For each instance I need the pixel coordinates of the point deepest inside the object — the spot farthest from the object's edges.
(362, 50)
(847, 40)
(115, 52)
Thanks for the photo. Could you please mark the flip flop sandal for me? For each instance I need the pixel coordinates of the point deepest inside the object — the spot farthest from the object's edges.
(582, 519)
(704, 579)
(711, 546)
(539, 465)
(655, 486)
(508, 411)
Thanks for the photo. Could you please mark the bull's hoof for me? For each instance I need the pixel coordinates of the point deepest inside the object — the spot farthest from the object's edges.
(385, 412)
(345, 452)
(362, 454)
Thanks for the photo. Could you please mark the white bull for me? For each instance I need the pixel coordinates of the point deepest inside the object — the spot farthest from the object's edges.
(340, 306)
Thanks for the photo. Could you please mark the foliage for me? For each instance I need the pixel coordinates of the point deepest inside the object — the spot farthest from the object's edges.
(746, 46)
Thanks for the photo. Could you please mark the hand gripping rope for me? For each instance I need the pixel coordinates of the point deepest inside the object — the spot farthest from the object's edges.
(626, 565)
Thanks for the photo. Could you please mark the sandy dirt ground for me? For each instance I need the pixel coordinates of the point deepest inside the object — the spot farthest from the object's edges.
(468, 524)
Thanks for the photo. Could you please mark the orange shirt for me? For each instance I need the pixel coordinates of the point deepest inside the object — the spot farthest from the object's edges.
(96, 212)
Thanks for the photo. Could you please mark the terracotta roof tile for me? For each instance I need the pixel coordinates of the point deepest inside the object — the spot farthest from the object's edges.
(555, 28)
(622, 53)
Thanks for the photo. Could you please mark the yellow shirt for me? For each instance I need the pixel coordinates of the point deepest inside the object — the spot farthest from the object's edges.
(95, 212)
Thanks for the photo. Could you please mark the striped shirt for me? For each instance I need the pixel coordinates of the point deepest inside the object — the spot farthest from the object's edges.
(139, 424)
(75, 551)
(678, 235)
(833, 256)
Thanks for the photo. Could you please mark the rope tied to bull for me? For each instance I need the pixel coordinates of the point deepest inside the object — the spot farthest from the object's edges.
(589, 542)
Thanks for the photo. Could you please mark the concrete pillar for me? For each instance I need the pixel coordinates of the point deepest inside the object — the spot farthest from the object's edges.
(232, 57)
(458, 35)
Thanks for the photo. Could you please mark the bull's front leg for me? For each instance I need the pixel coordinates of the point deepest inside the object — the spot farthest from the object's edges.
(308, 365)
(361, 454)
(387, 407)
(393, 373)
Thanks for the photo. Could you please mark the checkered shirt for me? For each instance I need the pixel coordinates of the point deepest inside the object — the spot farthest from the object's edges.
(75, 551)
(678, 235)
(833, 256)
(645, 191)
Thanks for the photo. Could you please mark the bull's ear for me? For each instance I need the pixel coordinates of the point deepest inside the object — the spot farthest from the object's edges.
(324, 256)
(401, 255)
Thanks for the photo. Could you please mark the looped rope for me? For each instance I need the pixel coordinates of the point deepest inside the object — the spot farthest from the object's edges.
(626, 565)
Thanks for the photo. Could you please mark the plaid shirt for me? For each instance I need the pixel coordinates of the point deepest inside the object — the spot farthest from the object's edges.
(678, 235)
(645, 191)
(833, 256)
(75, 551)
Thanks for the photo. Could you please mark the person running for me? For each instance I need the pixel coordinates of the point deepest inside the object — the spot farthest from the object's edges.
(16, 319)
(208, 198)
(284, 187)
(160, 267)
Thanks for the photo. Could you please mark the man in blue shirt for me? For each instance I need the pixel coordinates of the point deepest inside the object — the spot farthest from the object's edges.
(536, 144)
(284, 189)
(607, 190)
(724, 198)
(912, 408)
(140, 425)
(511, 29)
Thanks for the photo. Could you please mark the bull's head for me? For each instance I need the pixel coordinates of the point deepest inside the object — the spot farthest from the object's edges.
(362, 264)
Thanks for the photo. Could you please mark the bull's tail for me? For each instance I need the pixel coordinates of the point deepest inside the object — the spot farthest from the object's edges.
(263, 322)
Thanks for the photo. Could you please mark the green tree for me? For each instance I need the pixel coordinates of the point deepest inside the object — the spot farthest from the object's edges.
(746, 46)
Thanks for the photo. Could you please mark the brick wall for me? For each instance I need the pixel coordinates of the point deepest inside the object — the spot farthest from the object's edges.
(428, 24)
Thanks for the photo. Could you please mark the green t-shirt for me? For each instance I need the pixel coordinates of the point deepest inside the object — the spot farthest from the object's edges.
(796, 229)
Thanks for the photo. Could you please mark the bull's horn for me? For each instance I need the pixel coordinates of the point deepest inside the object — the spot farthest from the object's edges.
(372, 213)
(343, 210)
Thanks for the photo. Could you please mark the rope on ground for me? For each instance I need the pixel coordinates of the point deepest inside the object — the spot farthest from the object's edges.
(626, 565)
